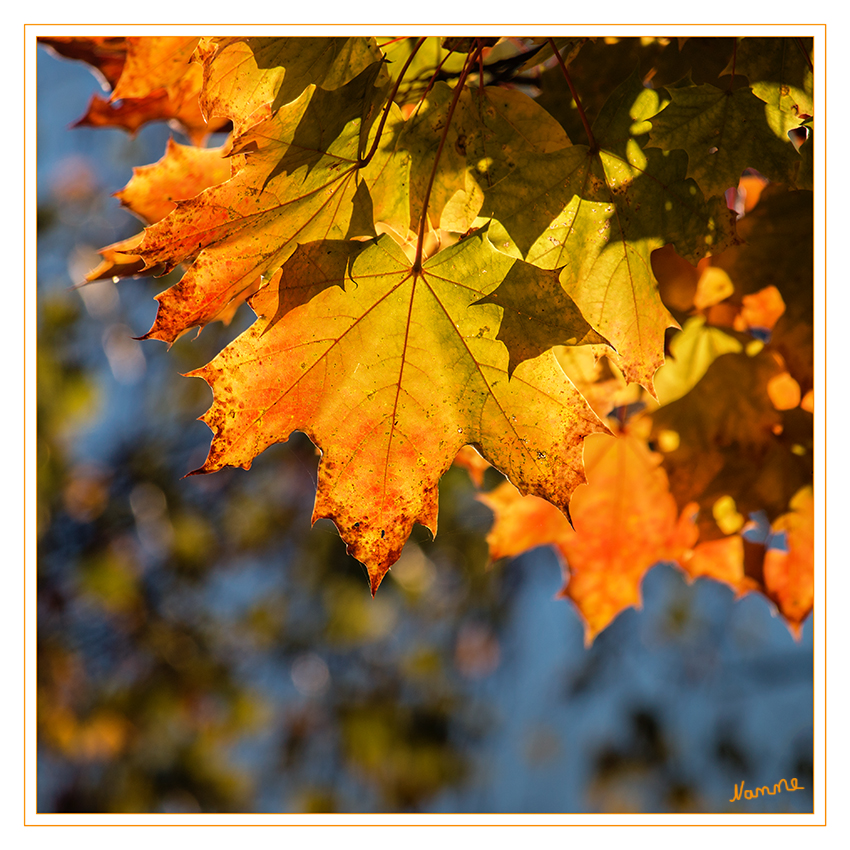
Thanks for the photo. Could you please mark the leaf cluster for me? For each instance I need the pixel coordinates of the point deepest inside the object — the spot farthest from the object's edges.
(589, 261)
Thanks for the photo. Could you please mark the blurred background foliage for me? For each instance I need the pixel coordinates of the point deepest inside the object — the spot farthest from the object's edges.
(203, 649)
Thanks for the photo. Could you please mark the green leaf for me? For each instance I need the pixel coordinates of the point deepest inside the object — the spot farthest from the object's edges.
(598, 217)
(723, 132)
(537, 314)
(493, 131)
(692, 352)
(779, 71)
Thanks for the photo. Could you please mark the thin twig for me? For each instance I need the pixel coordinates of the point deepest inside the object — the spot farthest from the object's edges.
(472, 58)
(584, 121)
(805, 53)
(365, 160)
(734, 59)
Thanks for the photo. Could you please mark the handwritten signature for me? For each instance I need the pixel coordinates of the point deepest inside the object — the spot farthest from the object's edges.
(765, 789)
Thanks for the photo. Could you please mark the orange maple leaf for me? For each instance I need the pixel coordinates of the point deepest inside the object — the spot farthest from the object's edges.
(390, 373)
(625, 521)
(789, 576)
(157, 82)
(183, 172)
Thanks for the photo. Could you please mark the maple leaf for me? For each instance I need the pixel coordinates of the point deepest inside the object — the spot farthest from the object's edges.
(692, 352)
(183, 172)
(625, 521)
(598, 215)
(470, 460)
(723, 132)
(593, 375)
(779, 234)
(420, 60)
(761, 310)
(538, 314)
(106, 54)
(779, 71)
(156, 83)
(517, 260)
(390, 373)
(722, 560)
(301, 180)
(491, 133)
(246, 80)
(154, 63)
(119, 260)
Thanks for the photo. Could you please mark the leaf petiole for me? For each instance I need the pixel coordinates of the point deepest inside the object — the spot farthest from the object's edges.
(591, 141)
(365, 160)
(472, 58)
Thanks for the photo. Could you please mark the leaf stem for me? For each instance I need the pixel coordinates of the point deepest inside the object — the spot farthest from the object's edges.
(734, 59)
(805, 54)
(434, 77)
(365, 160)
(471, 59)
(574, 93)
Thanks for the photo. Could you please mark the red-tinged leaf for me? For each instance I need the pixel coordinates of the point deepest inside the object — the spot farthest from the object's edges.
(153, 80)
(129, 115)
(390, 378)
(625, 520)
(154, 63)
(106, 54)
(302, 181)
(246, 80)
(183, 172)
(180, 108)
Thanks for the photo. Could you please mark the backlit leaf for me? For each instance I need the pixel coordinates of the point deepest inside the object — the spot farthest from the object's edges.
(492, 132)
(154, 63)
(599, 215)
(390, 378)
(779, 71)
(723, 132)
(692, 352)
(625, 520)
(538, 314)
(725, 437)
(183, 172)
(301, 181)
(441, 276)
(248, 79)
